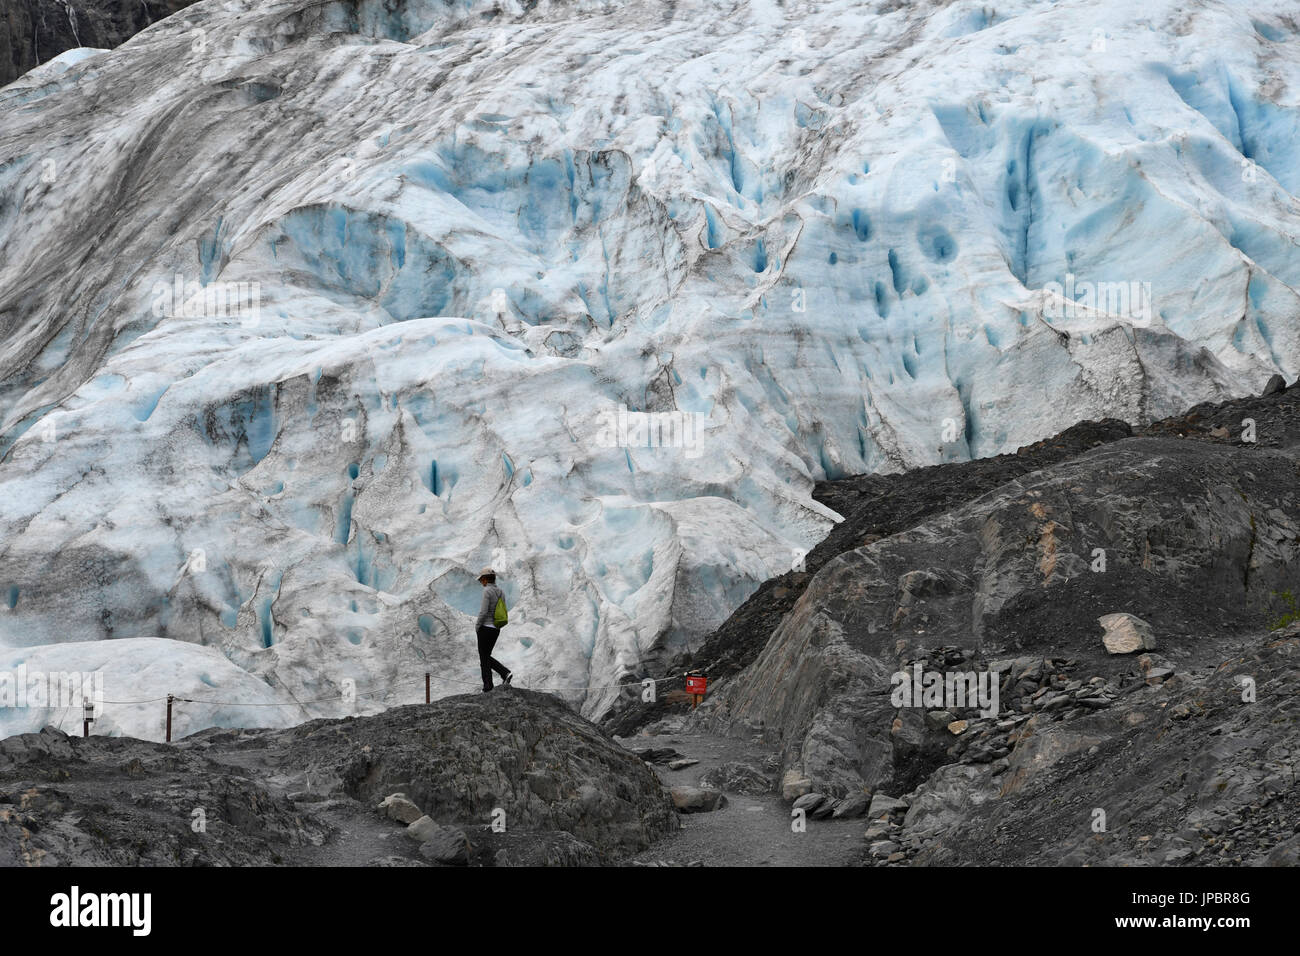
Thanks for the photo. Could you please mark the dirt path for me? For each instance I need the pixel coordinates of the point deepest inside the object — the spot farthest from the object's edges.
(358, 836)
(749, 830)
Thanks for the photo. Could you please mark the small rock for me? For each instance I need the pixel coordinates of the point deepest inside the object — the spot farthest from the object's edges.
(1276, 383)
(658, 755)
(854, 805)
(938, 718)
(448, 846)
(398, 807)
(1218, 431)
(882, 805)
(809, 802)
(883, 849)
(1126, 633)
(1028, 668)
(1180, 712)
(697, 799)
(957, 727)
(794, 785)
(824, 811)
(682, 764)
(423, 830)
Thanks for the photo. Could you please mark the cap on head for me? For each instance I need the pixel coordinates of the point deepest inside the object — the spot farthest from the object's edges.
(487, 573)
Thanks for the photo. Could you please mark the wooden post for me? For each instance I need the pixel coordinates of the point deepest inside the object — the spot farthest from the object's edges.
(426, 688)
(170, 698)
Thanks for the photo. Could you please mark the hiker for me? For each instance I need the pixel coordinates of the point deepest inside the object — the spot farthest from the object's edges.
(487, 626)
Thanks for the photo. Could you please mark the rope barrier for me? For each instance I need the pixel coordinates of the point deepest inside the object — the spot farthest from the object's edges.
(147, 700)
(428, 676)
(384, 690)
(293, 703)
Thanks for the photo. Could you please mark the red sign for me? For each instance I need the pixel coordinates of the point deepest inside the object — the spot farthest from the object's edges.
(696, 685)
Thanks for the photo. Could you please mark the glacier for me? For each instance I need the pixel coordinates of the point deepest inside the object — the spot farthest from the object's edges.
(312, 309)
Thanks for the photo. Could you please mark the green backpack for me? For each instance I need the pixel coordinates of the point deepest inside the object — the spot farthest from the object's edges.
(499, 616)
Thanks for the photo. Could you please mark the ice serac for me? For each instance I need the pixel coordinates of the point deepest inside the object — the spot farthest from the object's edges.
(827, 238)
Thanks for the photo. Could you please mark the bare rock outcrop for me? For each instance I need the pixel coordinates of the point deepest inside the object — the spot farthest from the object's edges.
(558, 791)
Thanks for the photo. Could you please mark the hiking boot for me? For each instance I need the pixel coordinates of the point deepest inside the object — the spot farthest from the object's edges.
(505, 681)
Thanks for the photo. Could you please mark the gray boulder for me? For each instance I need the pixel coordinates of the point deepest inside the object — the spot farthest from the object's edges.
(854, 805)
(423, 829)
(397, 807)
(697, 799)
(794, 785)
(1275, 385)
(824, 810)
(448, 846)
(1126, 634)
(938, 718)
(809, 802)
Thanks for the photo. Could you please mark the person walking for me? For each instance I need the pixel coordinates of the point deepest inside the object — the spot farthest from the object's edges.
(487, 627)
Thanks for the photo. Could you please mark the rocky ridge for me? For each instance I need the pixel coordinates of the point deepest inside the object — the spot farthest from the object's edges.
(511, 778)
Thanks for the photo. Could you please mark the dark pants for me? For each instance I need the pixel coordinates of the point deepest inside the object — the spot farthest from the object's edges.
(487, 639)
